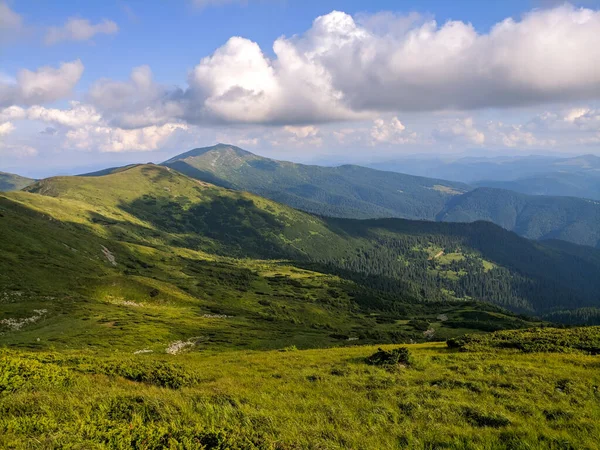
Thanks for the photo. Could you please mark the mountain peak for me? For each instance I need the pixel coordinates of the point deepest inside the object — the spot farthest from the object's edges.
(218, 148)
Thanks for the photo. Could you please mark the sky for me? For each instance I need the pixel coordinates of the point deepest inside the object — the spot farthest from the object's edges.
(90, 84)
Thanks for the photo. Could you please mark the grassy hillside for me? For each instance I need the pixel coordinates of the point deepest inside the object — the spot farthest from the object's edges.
(536, 217)
(406, 261)
(87, 265)
(12, 182)
(482, 398)
(345, 191)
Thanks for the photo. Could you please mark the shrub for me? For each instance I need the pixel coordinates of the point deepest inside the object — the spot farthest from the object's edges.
(18, 373)
(400, 355)
(157, 373)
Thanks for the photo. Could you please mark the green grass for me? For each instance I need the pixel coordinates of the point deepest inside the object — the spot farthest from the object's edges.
(300, 400)
(146, 310)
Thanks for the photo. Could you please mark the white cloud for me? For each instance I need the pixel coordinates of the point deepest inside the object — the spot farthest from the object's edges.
(138, 102)
(76, 29)
(6, 128)
(391, 132)
(109, 139)
(84, 128)
(238, 83)
(547, 56)
(302, 132)
(46, 84)
(77, 116)
(344, 68)
(17, 150)
(460, 130)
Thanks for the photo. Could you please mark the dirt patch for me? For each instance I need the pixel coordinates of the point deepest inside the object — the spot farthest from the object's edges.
(109, 256)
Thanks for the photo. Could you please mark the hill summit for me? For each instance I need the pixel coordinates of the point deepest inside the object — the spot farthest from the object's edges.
(346, 191)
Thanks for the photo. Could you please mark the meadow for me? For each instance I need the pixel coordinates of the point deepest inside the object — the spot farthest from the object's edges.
(301, 399)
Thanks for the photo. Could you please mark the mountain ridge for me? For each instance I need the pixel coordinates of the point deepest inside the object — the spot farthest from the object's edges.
(342, 191)
(13, 182)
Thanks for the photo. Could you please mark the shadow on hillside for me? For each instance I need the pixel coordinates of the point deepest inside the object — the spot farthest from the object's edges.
(235, 225)
(197, 174)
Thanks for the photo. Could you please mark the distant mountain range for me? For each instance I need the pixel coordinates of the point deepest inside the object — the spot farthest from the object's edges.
(12, 182)
(584, 184)
(474, 170)
(360, 193)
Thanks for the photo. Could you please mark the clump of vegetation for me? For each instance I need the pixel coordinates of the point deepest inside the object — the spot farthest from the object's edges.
(19, 373)
(551, 340)
(395, 357)
(158, 373)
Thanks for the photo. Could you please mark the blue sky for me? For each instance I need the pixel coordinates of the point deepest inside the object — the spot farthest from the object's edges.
(136, 70)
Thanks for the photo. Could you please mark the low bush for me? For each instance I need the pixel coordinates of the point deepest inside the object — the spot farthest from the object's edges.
(19, 373)
(535, 340)
(400, 355)
(157, 373)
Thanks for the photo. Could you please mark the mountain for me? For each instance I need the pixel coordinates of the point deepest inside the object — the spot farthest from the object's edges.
(12, 182)
(146, 257)
(570, 184)
(358, 192)
(130, 302)
(157, 223)
(536, 217)
(345, 191)
(474, 170)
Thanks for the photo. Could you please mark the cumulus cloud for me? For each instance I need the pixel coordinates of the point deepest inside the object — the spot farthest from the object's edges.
(76, 29)
(391, 132)
(138, 102)
(238, 83)
(460, 130)
(346, 68)
(110, 139)
(6, 128)
(46, 84)
(77, 115)
(85, 128)
(549, 55)
(518, 136)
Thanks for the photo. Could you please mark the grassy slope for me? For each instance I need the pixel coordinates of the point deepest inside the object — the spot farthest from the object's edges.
(536, 217)
(153, 206)
(345, 191)
(311, 399)
(161, 291)
(12, 182)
